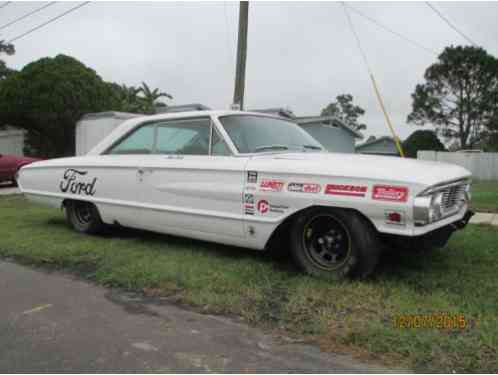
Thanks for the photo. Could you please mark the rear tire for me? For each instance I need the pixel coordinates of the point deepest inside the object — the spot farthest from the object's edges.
(334, 244)
(83, 217)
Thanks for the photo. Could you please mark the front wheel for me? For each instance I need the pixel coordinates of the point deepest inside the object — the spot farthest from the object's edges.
(83, 217)
(334, 243)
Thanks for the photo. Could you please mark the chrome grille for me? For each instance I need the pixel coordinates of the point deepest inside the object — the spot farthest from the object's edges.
(453, 196)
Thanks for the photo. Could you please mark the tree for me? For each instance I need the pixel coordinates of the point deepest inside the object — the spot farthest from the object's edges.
(47, 97)
(125, 98)
(345, 111)
(9, 50)
(459, 96)
(425, 140)
(150, 96)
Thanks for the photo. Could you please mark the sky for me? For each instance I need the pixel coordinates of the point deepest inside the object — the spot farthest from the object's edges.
(301, 55)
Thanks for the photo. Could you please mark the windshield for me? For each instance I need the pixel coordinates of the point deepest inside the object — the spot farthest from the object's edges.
(252, 133)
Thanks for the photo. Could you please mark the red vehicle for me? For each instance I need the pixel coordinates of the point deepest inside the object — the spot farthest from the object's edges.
(10, 164)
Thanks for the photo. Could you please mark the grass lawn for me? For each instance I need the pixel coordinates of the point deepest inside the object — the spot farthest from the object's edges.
(356, 317)
(485, 196)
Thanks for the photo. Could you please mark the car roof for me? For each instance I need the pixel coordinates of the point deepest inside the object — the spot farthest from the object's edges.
(130, 124)
(190, 114)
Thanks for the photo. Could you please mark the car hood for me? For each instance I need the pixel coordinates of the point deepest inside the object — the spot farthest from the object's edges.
(356, 166)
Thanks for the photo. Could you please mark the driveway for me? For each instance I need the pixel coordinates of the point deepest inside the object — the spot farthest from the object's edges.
(50, 321)
(8, 189)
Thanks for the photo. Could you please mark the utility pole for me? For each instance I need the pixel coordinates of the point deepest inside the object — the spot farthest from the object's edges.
(240, 74)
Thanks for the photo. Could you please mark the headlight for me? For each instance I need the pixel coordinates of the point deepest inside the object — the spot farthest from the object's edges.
(435, 209)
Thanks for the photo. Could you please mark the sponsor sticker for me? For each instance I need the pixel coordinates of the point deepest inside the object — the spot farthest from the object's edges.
(263, 206)
(249, 204)
(249, 209)
(304, 187)
(271, 185)
(348, 190)
(252, 177)
(249, 198)
(394, 217)
(390, 193)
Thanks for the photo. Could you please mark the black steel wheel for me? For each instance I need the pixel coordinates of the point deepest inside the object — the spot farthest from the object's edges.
(83, 217)
(334, 243)
(326, 241)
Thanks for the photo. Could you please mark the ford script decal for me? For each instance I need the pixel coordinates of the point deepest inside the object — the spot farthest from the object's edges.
(71, 184)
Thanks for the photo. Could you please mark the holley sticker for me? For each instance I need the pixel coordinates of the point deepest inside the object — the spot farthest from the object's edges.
(390, 193)
(271, 185)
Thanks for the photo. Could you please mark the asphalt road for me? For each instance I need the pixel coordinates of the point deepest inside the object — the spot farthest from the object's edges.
(51, 321)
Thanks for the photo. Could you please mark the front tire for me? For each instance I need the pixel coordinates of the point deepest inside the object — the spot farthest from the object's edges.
(83, 217)
(334, 244)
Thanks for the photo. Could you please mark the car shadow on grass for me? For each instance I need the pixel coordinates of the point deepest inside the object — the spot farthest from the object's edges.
(279, 258)
(396, 265)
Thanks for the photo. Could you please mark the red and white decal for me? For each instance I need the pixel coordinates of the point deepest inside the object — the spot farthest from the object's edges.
(390, 193)
(263, 206)
(394, 217)
(271, 185)
(349, 190)
(306, 187)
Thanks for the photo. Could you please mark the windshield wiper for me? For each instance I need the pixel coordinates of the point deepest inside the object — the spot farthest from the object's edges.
(312, 147)
(271, 147)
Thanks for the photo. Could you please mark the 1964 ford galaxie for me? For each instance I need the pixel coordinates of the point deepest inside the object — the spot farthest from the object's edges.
(252, 180)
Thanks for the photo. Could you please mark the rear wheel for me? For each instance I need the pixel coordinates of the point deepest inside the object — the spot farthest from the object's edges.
(334, 243)
(83, 217)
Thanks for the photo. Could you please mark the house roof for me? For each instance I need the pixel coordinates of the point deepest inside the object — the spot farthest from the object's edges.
(374, 141)
(319, 120)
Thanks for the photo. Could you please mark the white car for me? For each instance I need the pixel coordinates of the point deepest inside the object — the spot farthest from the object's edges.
(253, 180)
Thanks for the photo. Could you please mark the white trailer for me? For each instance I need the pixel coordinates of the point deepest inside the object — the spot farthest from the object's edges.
(94, 127)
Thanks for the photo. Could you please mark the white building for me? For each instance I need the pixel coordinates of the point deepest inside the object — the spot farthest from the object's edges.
(12, 141)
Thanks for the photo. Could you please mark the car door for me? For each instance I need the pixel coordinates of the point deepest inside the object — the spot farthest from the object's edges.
(192, 185)
(116, 170)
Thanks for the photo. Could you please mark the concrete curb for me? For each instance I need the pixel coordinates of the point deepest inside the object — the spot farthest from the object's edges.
(484, 218)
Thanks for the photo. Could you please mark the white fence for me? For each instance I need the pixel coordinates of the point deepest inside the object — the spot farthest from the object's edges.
(483, 165)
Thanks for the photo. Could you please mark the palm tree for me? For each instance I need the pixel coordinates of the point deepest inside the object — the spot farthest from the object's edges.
(129, 98)
(150, 96)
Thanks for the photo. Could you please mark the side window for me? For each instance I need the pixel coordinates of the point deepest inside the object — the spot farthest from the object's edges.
(141, 141)
(184, 137)
(218, 146)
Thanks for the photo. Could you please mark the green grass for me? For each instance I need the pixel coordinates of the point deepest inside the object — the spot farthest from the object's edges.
(355, 317)
(485, 196)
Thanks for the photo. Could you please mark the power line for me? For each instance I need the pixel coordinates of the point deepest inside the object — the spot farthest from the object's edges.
(374, 83)
(26, 15)
(357, 38)
(411, 41)
(49, 21)
(450, 24)
(5, 4)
